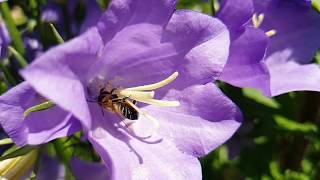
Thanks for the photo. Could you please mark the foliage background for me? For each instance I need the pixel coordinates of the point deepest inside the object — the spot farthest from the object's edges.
(279, 138)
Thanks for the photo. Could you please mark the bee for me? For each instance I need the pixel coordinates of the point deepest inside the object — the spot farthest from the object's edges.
(110, 101)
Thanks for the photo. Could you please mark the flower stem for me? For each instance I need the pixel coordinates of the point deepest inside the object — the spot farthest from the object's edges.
(23, 62)
(13, 31)
(56, 34)
(10, 78)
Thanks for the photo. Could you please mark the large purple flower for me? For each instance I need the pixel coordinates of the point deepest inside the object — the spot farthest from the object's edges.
(285, 65)
(152, 54)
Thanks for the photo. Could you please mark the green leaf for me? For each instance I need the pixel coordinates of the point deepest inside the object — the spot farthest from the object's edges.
(316, 5)
(5, 141)
(258, 97)
(293, 126)
(16, 151)
(275, 170)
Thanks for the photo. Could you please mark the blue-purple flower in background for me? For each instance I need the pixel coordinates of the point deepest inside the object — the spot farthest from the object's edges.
(291, 50)
(246, 66)
(285, 63)
(4, 40)
(144, 51)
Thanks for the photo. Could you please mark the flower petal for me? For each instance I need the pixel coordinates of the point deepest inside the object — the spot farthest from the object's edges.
(50, 169)
(38, 127)
(93, 14)
(57, 74)
(297, 27)
(88, 170)
(235, 13)
(292, 76)
(194, 44)
(129, 158)
(205, 119)
(245, 67)
(122, 13)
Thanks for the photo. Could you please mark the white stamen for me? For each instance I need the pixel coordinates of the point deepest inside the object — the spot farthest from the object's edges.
(136, 94)
(159, 102)
(155, 85)
(271, 33)
(257, 20)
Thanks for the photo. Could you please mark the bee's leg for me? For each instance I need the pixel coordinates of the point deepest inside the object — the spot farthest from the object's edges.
(134, 102)
(92, 101)
(102, 111)
(117, 100)
(112, 90)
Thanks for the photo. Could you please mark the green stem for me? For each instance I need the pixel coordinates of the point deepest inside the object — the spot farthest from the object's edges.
(13, 31)
(56, 34)
(23, 62)
(64, 155)
(10, 78)
(310, 110)
(213, 10)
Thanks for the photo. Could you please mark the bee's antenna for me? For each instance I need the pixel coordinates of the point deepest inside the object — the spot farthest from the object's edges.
(91, 101)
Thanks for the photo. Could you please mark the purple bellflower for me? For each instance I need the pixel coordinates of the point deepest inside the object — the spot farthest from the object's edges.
(284, 63)
(291, 50)
(4, 40)
(141, 50)
(245, 66)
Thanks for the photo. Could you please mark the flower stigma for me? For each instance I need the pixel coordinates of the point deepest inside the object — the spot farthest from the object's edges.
(257, 20)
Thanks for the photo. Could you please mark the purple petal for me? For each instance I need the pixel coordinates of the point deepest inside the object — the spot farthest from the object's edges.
(204, 121)
(93, 14)
(297, 27)
(307, 3)
(50, 169)
(128, 158)
(292, 76)
(56, 74)
(293, 47)
(88, 170)
(245, 67)
(194, 44)
(37, 128)
(235, 13)
(122, 13)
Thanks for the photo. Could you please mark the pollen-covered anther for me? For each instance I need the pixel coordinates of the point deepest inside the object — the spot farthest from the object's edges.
(271, 32)
(136, 94)
(257, 20)
(145, 95)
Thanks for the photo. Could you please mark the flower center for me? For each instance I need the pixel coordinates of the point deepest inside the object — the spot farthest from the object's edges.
(123, 101)
(257, 20)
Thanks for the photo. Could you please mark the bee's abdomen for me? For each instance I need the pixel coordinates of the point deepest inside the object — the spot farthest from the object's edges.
(128, 112)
